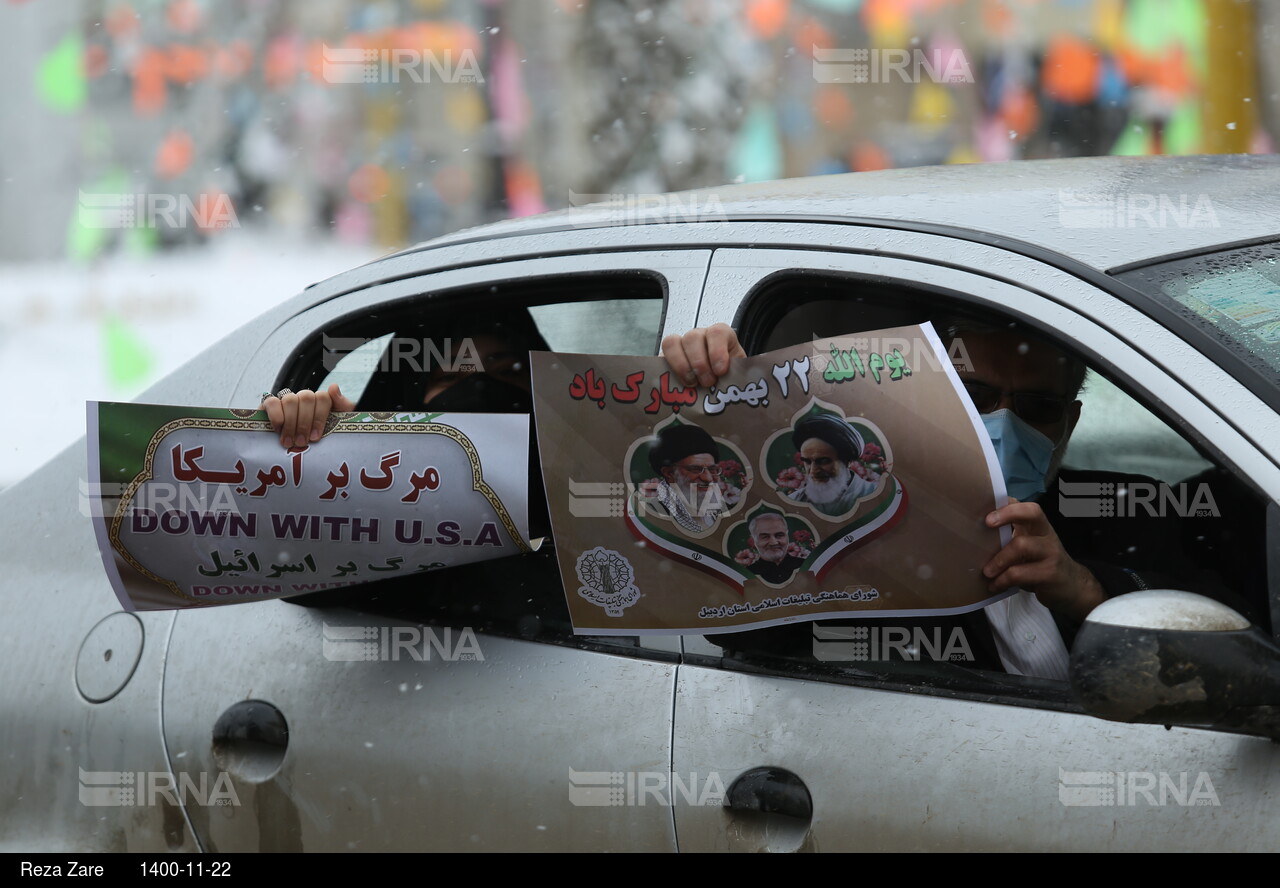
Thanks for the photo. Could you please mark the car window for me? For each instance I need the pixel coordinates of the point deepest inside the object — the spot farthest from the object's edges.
(1227, 303)
(414, 336)
(383, 359)
(603, 326)
(1135, 502)
(1116, 433)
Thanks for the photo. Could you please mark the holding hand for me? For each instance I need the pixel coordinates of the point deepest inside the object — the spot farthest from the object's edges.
(701, 356)
(299, 417)
(1035, 560)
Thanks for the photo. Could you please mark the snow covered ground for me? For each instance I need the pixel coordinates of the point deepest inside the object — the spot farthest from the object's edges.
(70, 334)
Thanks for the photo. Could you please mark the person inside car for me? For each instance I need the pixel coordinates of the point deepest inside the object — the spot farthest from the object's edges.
(485, 369)
(1025, 390)
(473, 367)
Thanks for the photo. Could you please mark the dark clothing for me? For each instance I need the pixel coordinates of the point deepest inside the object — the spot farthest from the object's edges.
(1146, 545)
(776, 572)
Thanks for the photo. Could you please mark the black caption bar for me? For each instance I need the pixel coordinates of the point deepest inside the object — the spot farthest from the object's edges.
(142, 869)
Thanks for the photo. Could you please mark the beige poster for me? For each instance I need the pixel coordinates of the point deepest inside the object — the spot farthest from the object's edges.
(845, 477)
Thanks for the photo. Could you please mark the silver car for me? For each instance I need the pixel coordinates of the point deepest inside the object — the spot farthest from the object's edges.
(237, 729)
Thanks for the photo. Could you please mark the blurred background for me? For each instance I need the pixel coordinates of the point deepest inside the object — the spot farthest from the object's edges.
(171, 168)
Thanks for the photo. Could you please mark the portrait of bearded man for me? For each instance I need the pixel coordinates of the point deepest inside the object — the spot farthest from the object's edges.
(687, 462)
(827, 446)
(776, 564)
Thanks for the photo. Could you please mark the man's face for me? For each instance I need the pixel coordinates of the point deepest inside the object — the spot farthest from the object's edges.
(820, 461)
(695, 476)
(826, 475)
(1007, 370)
(771, 538)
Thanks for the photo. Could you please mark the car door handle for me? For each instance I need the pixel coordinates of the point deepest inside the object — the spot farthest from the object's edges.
(770, 791)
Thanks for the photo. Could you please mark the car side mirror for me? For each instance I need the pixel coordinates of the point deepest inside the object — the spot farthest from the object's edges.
(1175, 658)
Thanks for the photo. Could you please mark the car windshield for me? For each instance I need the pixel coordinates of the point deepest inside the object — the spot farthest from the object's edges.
(1233, 296)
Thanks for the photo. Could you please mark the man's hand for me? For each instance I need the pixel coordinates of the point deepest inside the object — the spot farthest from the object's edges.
(299, 417)
(1034, 560)
(701, 356)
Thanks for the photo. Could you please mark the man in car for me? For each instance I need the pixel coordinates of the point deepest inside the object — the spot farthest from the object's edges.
(1020, 372)
(1009, 373)
(828, 446)
(775, 565)
(1025, 389)
(684, 456)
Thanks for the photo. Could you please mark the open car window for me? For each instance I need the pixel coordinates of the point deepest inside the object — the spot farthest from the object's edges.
(386, 359)
(1136, 502)
(1116, 433)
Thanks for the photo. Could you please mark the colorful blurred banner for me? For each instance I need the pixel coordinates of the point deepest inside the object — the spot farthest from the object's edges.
(757, 156)
(451, 114)
(60, 80)
(128, 360)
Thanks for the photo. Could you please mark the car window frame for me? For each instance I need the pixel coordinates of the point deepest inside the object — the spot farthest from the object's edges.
(681, 273)
(739, 276)
(307, 368)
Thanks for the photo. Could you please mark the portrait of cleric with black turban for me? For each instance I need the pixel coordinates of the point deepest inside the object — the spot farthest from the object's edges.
(829, 451)
(689, 486)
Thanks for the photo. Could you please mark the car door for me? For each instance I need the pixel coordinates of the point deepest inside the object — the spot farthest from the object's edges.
(480, 722)
(825, 756)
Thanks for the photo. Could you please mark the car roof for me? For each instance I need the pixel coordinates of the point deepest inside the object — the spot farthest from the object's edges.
(1163, 205)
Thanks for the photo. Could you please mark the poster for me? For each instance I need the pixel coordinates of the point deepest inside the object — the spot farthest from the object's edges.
(846, 477)
(202, 506)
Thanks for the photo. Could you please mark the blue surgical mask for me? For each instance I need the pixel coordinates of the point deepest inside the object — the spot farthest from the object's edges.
(1023, 452)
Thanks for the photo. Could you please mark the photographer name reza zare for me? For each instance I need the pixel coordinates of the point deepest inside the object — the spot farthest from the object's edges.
(72, 869)
(152, 868)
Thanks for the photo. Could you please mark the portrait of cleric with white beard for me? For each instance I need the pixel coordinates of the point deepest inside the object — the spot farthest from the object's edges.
(828, 448)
